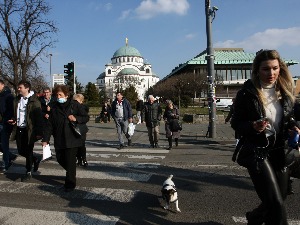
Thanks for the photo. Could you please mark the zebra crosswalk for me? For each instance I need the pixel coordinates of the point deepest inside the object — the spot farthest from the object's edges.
(114, 181)
(101, 167)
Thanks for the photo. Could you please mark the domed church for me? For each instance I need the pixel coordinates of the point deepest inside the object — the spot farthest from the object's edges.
(127, 68)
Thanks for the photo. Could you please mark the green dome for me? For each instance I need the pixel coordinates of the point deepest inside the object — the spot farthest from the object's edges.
(128, 71)
(127, 51)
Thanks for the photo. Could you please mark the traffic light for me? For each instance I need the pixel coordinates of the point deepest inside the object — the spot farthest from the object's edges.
(69, 70)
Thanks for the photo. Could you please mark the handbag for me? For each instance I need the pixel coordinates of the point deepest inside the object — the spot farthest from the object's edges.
(79, 129)
(76, 129)
(175, 125)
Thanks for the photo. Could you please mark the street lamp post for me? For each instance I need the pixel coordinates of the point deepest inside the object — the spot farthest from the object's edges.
(51, 81)
(210, 15)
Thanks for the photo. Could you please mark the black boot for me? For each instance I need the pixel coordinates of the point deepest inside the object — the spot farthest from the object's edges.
(176, 142)
(79, 161)
(170, 143)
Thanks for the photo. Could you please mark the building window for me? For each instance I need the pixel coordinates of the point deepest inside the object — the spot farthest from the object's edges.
(109, 71)
(147, 71)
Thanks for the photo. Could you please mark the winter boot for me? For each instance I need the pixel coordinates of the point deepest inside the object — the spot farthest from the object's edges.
(170, 143)
(176, 142)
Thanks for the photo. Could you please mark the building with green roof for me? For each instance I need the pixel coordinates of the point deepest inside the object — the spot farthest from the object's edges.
(127, 67)
(232, 65)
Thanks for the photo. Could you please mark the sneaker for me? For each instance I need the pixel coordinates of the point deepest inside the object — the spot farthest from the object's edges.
(151, 145)
(36, 163)
(169, 148)
(26, 177)
(121, 147)
(156, 145)
(129, 142)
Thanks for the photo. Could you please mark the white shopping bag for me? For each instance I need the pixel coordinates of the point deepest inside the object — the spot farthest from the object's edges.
(46, 152)
(131, 128)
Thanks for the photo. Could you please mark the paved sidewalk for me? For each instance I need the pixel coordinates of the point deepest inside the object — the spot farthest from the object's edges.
(105, 134)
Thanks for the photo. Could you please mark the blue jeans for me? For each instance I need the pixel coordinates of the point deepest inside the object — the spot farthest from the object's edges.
(122, 127)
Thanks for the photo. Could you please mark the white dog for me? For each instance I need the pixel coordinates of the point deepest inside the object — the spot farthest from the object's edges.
(169, 193)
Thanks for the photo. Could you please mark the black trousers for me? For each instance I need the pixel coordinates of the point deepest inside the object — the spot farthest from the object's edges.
(271, 187)
(25, 149)
(67, 159)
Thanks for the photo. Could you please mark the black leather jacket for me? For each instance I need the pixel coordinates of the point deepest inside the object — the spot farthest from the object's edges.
(248, 109)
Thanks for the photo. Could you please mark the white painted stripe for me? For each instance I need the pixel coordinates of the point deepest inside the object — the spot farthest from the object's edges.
(237, 219)
(91, 193)
(124, 164)
(144, 157)
(103, 163)
(38, 148)
(33, 216)
(107, 156)
(91, 174)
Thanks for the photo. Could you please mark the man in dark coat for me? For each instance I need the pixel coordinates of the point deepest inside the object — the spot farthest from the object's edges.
(47, 101)
(6, 113)
(28, 127)
(151, 115)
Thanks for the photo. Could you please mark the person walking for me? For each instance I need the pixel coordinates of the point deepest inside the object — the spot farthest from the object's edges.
(139, 107)
(67, 143)
(28, 126)
(47, 100)
(6, 113)
(151, 115)
(172, 126)
(105, 113)
(81, 154)
(228, 118)
(262, 116)
(121, 112)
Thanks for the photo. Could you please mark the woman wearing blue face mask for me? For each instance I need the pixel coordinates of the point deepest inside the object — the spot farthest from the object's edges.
(66, 142)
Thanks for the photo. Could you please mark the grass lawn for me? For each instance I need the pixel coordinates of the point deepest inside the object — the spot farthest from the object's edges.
(189, 110)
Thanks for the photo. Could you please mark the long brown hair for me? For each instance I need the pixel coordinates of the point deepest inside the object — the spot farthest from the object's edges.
(284, 81)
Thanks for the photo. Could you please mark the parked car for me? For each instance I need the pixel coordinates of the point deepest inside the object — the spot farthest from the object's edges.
(223, 102)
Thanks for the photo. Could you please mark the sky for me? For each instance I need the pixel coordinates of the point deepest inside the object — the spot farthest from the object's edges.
(166, 32)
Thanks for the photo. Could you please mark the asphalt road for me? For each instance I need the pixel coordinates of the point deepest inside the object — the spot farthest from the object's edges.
(123, 186)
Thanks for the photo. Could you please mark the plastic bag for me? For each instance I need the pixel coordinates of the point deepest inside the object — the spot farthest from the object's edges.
(46, 152)
(131, 128)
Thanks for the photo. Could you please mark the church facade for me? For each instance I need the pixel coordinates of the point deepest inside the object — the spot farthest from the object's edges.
(127, 67)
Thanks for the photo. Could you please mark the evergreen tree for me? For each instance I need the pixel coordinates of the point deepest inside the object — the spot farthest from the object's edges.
(91, 95)
(131, 95)
(102, 96)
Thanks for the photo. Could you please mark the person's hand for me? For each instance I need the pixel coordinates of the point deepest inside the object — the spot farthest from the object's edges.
(260, 125)
(11, 122)
(72, 118)
(46, 116)
(48, 108)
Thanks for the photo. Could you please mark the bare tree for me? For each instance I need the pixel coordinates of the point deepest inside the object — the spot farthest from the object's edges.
(25, 34)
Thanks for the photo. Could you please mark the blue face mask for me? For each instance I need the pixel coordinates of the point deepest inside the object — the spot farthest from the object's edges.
(61, 100)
